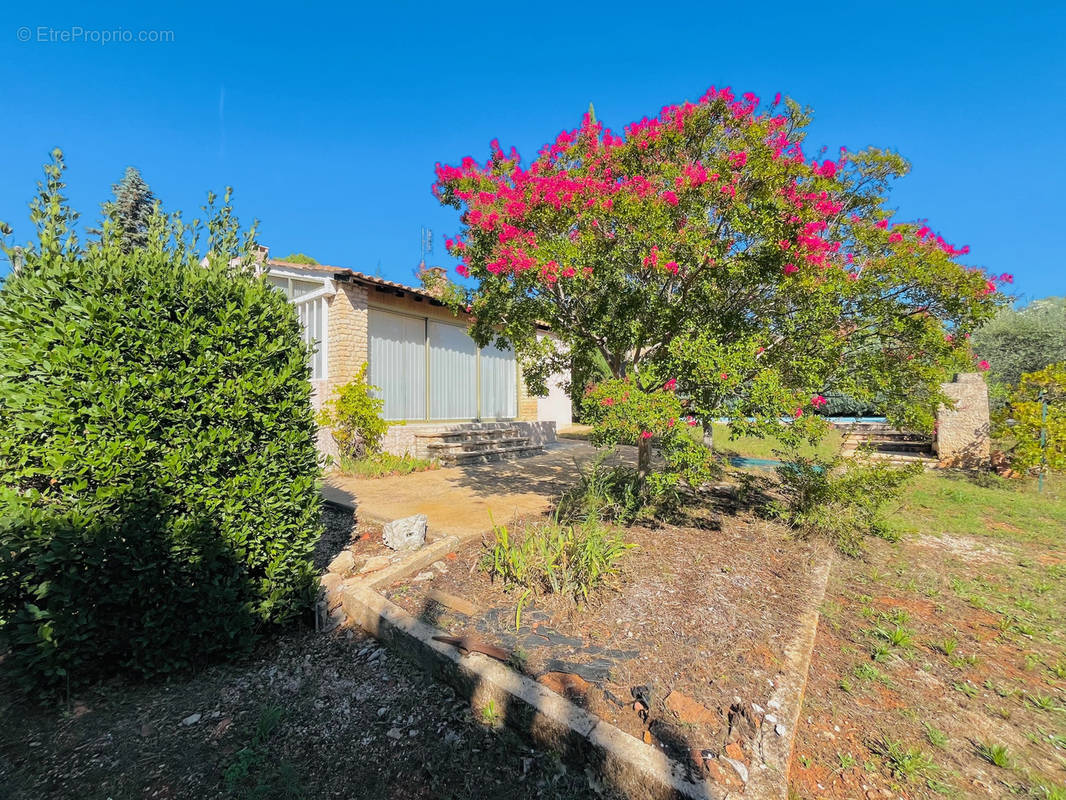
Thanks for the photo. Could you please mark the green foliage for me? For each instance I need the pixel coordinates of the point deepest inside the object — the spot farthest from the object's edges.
(1022, 419)
(995, 754)
(353, 416)
(129, 215)
(254, 774)
(627, 411)
(379, 465)
(157, 459)
(603, 492)
(1020, 340)
(905, 763)
(300, 258)
(840, 499)
(553, 558)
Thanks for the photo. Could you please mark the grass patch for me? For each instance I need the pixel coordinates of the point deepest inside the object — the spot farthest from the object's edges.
(995, 754)
(904, 763)
(380, 465)
(254, 772)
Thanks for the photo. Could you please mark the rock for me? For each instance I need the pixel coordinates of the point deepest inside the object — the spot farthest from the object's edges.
(648, 738)
(424, 576)
(343, 563)
(192, 719)
(440, 566)
(780, 729)
(741, 770)
(565, 683)
(222, 727)
(147, 730)
(408, 533)
(382, 711)
(733, 751)
(689, 711)
(330, 581)
(373, 564)
(395, 734)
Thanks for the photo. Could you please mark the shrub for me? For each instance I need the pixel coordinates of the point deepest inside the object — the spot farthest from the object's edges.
(379, 465)
(553, 558)
(604, 493)
(840, 499)
(158, 500)
(1023, 419)
(353, 416)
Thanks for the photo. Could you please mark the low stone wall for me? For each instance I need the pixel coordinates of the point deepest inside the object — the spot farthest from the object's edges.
(963, 432)
(402, 438)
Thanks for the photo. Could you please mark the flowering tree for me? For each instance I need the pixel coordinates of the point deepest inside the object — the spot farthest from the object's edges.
(715, 268)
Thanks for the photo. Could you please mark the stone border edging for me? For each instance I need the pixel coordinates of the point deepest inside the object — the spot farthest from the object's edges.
(552, 721)
(787, 700)
(534, 710)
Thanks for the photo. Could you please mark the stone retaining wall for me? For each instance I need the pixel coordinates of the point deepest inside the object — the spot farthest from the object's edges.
(963, 432)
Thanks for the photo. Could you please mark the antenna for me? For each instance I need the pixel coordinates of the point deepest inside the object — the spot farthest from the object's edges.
(425, 244)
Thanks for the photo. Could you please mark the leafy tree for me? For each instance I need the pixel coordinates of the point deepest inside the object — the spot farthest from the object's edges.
(1024, 420)
(130, 212)
(158, 504)
(712, 265)
(300, 258)
(1020, 340)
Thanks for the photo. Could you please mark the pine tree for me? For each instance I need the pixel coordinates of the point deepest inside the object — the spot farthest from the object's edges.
(130, 211)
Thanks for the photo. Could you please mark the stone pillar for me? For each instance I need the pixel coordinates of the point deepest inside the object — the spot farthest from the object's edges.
(963, 433)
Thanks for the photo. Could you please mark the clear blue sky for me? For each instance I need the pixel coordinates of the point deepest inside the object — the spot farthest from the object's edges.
(328, 121)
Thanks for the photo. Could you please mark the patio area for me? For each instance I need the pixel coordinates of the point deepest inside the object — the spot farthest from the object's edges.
(460, 500)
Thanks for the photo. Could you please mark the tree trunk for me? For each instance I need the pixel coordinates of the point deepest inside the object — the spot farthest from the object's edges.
(643, 462)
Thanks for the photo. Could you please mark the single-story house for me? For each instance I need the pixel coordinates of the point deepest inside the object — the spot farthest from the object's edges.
(429, 372)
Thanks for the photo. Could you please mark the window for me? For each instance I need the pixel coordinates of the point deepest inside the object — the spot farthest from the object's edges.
(313, 313)
(430, 370)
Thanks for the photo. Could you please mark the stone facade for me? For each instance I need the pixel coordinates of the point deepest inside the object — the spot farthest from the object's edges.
(347, 333)
(402, 439)
(963, 432)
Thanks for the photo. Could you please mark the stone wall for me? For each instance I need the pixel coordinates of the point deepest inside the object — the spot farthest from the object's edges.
(963, 432)
(347, 342)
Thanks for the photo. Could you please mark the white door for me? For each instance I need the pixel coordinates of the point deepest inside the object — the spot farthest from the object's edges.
(499, 383)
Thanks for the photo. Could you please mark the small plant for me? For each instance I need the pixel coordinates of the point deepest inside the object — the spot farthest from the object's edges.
(490, 715)
(966, 688)
(897, 637)
(253, 773)
(880, 653)
(1042, 702)
(606, 493)
(353, 415)
(898, 616)
(995, 754)
(947, 645)
(379, 465)
(845, 761)
(1058, 670)
(903, 762)
(845, 685)
(841, 499)
(551, 558)
(935, 736)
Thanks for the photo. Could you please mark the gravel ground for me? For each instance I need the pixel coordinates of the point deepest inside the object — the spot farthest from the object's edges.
(307, 715)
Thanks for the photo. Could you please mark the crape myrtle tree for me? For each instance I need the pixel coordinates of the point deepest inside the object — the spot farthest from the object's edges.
(717, 270)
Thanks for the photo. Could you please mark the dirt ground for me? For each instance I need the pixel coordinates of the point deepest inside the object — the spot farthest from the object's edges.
(680, 651)
(932, 653)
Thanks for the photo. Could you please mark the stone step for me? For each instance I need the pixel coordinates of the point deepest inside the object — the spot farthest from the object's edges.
(460, 446)
(467, 435)
(901, 459)
(881, 445)
(489, 455)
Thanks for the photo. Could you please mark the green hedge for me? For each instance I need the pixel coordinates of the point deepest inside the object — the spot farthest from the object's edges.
(158, 500)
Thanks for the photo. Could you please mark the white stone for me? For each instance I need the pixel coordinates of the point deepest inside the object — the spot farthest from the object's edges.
(408, 533)
(192, 719)
(742, 771)
(343, 563)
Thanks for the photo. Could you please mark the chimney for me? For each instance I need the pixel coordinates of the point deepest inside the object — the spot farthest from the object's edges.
(434, 279)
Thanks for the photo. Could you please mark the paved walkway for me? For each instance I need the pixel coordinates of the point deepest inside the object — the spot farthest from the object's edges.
(458, 500)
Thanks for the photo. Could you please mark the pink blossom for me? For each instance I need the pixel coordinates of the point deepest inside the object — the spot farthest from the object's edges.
(895, 237)
(670, 385)
(646, 435)
(691, 422)
(984, 366)
(818, 401)
(882, 224)
(463, 270)
(797, 413)
(791, 268)
(670, 198)
(607, 401)
(724, 376)
(671, 267)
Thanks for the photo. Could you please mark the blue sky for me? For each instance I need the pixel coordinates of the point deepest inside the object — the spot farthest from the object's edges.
(328, 121)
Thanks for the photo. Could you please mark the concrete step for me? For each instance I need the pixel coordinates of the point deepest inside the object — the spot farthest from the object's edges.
(489, 455)
(467, 435)
(903, 446)
(438, 448)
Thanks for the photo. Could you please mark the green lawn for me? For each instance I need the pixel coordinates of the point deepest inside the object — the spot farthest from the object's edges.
(752, 447)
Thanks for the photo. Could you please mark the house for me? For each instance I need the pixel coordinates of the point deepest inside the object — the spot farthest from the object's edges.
(430, 374)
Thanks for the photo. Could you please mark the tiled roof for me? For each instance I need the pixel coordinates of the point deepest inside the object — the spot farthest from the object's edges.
(351, 274)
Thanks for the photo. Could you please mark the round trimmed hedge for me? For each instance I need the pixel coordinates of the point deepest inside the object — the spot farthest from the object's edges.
(158, 500)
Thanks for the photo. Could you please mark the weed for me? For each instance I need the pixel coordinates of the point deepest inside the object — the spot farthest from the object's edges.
(253, 773)
(966, 688)
(845, 761)
(947, 645)
(1058, 670)
(903, 762)
(845, 685)
(490, 715)
(880, 653)
(898, 636)
(898, 616)
(1042, 702)
(963, 662)
(805, 761)
(935, 736)
(379, 465)
(867, 672)
(995, 754)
